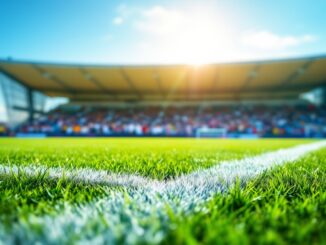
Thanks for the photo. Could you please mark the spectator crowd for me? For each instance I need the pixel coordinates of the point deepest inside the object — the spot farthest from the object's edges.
(261, 121)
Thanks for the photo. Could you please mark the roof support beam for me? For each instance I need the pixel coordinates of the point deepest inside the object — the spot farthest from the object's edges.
(53, 78)
(158, 80)
(16, 79)
(296, 89)
(216, 79)
(266, 96)
(30, 102)
(89, 77)
(251, 76)
(130, 83)
(21, 108)
(300, 71)
(173, 89)
(189, 79)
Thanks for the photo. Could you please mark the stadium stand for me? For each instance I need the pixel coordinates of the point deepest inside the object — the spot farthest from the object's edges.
(238, 121)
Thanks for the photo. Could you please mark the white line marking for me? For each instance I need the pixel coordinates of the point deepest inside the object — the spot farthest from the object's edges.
(84, 175)
(141, 214)
(234, 168)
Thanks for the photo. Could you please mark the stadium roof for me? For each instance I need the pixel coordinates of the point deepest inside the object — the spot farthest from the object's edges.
(277, 79)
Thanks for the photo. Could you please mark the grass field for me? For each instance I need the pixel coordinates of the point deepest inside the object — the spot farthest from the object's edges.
(286, 204)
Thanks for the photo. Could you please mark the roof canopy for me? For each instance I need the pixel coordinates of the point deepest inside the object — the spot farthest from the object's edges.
(279, 79)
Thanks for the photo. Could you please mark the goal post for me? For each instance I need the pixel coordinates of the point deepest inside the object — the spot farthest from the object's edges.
(211, 133)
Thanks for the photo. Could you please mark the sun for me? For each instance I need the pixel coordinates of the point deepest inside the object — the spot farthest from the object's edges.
(195, 35)
(199, 39)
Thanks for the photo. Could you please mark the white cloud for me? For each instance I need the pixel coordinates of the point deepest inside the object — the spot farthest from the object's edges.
(193, 35)
(267, 40)
(123, 13)
(118, 20)
(161, 21)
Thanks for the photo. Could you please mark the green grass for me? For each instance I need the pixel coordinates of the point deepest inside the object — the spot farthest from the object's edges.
(284, 206)
(21, 196)
(156, 158)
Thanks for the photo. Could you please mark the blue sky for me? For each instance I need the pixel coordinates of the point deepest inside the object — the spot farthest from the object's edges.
(169, 31)
(156, 32)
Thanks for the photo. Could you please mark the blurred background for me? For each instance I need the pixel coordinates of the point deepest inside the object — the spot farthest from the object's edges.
(239, 69)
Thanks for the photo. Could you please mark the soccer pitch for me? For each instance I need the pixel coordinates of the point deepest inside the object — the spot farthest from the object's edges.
(119, 190)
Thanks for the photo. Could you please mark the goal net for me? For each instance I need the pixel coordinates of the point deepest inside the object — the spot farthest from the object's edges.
(211, 133)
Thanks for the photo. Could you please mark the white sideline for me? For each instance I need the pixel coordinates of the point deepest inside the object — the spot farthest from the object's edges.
(131, 215)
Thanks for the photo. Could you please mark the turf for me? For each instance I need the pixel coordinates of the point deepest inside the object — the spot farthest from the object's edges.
(21, 196)
(285, 205)
(156, 158)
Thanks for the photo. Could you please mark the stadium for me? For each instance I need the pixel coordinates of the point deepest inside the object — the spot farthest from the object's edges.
(173, 100)
(221, 152)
